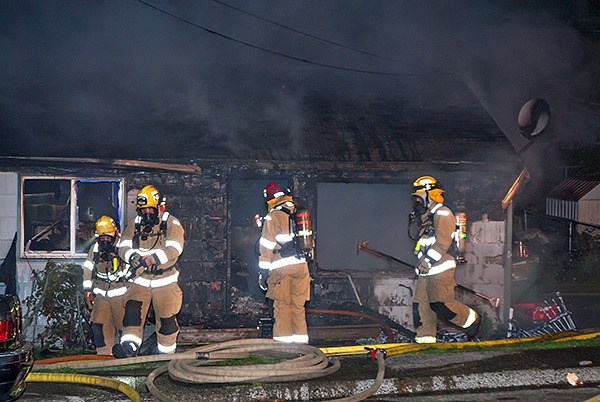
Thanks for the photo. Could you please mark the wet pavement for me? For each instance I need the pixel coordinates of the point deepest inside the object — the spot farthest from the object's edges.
(419, 375)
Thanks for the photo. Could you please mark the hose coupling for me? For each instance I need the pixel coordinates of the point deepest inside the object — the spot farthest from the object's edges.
(373, 352)
(202, 355)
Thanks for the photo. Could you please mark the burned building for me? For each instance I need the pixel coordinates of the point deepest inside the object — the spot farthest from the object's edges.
(353, 169)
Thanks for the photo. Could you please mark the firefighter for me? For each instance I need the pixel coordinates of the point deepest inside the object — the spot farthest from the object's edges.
(283, 268)
(434, 294)
(104, 285)
(151, 244)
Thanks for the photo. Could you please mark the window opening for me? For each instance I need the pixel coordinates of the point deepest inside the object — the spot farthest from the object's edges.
(59, 214)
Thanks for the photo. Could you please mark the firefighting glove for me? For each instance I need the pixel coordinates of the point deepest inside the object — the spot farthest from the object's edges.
(148, 261)
(263, 275)
(423, 266)
(151, 263)
(137, 265)
(136, 261)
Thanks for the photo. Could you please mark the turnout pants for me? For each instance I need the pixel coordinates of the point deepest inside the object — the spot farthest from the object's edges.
(107, 320)
(166, 301)
(289, 287)
(435, 295)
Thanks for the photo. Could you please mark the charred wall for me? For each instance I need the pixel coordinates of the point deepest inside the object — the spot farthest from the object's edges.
(215, 284)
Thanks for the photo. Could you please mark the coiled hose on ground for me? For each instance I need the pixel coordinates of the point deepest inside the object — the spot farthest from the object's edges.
(300, 362)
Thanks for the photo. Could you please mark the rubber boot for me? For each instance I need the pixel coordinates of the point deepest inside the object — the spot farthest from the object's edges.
(473, 329)
(125, 349)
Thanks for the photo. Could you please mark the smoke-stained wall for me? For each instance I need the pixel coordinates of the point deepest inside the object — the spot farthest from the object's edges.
(214, 277)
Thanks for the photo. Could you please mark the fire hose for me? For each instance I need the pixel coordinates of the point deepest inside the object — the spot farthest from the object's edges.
(85, 379)
(382, 351)
(301, 362)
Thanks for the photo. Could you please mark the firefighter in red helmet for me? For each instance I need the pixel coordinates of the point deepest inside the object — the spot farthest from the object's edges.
(152, 244)
(104, 285)
(434, 294)
(286, 267)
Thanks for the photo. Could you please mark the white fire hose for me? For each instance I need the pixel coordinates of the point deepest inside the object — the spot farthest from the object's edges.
(301, 362)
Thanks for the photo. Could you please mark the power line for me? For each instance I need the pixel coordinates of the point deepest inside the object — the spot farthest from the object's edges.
(314, 36)
(287, 56)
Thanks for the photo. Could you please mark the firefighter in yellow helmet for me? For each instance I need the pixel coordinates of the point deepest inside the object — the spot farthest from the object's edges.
(152, 244)
(285, 266)
(104, 285)
(434, 294)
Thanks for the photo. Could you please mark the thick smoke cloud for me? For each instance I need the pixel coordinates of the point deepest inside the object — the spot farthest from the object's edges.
(106, 76)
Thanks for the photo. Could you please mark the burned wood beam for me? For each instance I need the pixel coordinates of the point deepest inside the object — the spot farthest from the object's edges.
(194, 335)
(344, 332)
(173, 167)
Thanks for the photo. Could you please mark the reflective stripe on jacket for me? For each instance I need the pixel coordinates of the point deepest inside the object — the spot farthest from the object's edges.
(436, 246)
(102, 274)
(275, 233)
(164, 247)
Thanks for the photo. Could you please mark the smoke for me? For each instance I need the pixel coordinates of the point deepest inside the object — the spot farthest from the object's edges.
(121, 79)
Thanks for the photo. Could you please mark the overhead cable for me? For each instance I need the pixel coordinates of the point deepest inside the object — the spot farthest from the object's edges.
(313, 36)
(264, 49)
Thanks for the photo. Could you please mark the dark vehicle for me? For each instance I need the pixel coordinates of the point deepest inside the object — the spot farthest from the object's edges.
(16, 354)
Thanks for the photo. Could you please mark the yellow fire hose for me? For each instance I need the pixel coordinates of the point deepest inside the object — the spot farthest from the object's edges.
(85, 379)
(393, 349)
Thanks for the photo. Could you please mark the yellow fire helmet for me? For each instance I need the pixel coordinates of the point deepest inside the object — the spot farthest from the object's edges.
(428, 186)
(149, 196)
(105, 225)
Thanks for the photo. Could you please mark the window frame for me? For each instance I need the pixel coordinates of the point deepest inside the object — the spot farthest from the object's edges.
(73, 218)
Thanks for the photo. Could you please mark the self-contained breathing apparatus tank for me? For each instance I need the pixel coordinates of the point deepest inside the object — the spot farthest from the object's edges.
(460, 237)
(302, 228)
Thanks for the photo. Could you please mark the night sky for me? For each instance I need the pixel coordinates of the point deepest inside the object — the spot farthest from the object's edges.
(186, 79)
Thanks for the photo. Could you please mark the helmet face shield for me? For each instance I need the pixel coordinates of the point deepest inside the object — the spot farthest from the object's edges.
(419, 202)
(149, 217)
(106, 244)
(148, 202)
(141, 201)
(149, 196)
(426, 189)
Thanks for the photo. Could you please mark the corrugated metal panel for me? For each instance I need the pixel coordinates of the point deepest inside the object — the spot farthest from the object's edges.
(565, 201)
(573, 189)
(562, 208)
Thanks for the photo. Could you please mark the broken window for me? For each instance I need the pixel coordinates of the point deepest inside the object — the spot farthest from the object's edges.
(58, 215)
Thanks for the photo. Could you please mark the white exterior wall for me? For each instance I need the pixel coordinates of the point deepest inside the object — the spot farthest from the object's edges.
(589, 212)
(394, 297)
(589, 207)
(484, 270)
(8, 213)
